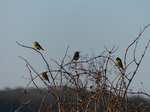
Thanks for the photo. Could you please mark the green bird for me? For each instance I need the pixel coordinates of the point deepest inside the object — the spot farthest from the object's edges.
(45, 77)
(37, 46)
(119, 62)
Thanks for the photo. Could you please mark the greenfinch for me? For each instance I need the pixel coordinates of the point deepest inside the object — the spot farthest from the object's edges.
(119, 62)
(37, 46)
(45, 77)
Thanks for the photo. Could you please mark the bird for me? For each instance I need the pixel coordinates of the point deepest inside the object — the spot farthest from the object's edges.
(45, 77)
(37, 46)
(76, 56)
(119, 62)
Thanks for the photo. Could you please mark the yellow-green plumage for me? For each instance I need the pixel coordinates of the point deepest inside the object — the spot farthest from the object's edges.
(45, 77)
(37, 46)
(119, 62)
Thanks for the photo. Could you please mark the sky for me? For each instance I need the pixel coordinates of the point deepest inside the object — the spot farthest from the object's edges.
(85, 25)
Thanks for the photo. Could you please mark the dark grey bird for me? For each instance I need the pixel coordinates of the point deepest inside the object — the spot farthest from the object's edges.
(76, 56)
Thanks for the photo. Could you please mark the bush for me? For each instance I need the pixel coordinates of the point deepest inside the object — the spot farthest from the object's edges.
(85, 85)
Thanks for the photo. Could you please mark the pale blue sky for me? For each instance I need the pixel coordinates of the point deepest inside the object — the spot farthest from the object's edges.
(82, 24)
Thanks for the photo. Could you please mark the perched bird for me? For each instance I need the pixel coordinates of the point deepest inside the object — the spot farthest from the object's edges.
(119, 62)
(45, 77)
(76, 56)
(37, 46)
